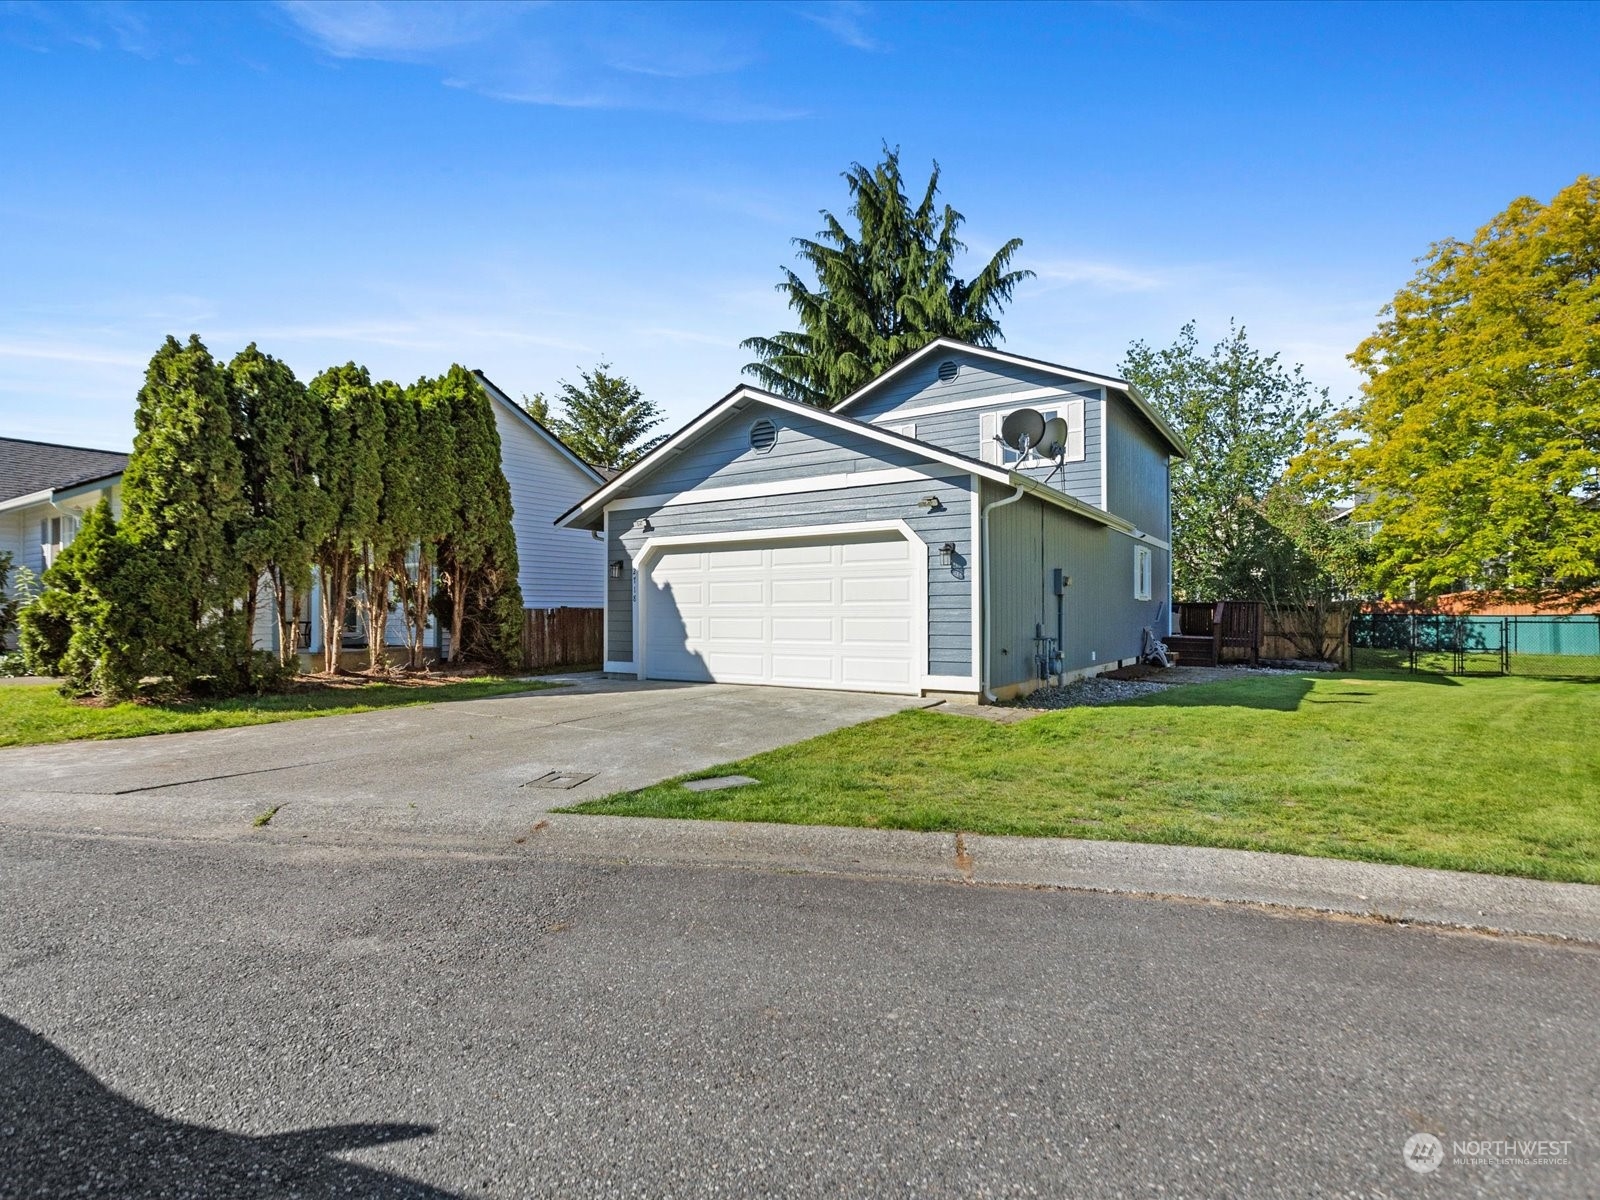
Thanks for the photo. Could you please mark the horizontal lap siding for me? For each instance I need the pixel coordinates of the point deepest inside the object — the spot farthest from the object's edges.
(1101, 614)
(975, 379)
(1137, 470)
(556, 567)
(949, 586)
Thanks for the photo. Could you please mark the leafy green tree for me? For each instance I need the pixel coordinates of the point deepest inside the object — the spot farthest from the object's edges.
(350, 471)
(537, 406)
(1475, 448)
(281, 434)
(1312, 567)
(182, 496)
(880, 292)
(436, 506)
(478, 555)
(1244, 415)
(604, 421)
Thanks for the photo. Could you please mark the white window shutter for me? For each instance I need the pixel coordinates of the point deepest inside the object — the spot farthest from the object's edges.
(1072, 410)
(989, 438)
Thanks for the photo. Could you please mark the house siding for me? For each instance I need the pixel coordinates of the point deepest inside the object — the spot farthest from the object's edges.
(1102, 619)
(804, 448)
(556, 567)
(901, 399)
(1138, 470)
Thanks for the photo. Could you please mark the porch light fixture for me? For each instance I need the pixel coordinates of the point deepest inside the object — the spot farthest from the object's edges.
(616, 568)
(643, 525)
(947, 554)
(931, 503)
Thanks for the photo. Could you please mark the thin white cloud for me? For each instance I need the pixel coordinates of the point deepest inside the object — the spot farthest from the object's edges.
(599, 57)
(845, 20)
(1104, 276)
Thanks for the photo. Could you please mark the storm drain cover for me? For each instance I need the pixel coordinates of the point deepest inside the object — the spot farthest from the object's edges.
(560, 780)
(720, 782)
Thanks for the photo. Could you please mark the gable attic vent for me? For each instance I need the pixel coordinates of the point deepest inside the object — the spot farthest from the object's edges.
(948, 371)
(763, 434)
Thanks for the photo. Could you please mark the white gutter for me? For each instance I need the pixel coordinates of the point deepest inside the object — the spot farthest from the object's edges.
(988, 591)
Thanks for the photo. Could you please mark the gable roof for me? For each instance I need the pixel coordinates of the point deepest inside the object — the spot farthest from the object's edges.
(745, 394)
(28, 468)
(1170, 435)
(594, 473)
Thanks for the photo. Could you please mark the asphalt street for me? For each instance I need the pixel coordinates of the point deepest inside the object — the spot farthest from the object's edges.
(210, 1018)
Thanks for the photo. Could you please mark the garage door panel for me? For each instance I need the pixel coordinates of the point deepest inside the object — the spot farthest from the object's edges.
(819, 613)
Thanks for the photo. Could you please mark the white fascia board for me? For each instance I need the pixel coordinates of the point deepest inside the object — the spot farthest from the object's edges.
(585, 509)
(786, 487)
(950, 345)
(27, 501)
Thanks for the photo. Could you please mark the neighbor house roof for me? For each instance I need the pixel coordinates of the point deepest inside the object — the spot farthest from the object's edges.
(948, 345)
(744, 394)
(29, 468)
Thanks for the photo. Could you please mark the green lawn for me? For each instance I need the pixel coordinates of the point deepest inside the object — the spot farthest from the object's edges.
(31, 715)
(1499, 775)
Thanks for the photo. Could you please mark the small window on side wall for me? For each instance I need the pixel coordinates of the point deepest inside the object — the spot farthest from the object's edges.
(1141, 572)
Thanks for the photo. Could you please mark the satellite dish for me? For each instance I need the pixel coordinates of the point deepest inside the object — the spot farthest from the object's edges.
(1054, 442)
(1022, 429)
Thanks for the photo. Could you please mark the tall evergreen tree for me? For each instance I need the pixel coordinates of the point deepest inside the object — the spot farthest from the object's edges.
(398, 525)
(880, 292)
(182, 496)
(436, 505)
(478, 556)
(605, 420)
(281, 434)
(351, 474)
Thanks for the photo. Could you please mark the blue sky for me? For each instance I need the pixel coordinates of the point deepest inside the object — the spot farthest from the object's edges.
(529, 189)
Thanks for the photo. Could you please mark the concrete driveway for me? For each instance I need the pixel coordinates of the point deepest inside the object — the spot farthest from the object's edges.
(461, 768)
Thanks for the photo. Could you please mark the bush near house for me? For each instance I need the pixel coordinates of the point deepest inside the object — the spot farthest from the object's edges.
(243, 472)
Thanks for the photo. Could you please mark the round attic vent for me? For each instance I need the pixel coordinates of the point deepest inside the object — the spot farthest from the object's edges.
(763, 434)
(947, 371)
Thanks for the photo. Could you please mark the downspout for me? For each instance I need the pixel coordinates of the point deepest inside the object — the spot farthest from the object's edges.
(988, 591)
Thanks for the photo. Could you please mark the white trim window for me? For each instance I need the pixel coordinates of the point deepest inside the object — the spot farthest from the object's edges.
(993, 450)
(1141, 572)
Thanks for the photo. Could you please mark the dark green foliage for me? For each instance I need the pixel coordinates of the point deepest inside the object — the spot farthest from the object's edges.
(182, 497)
(605, 421)
(281, 437)
(1243, 414)
(45, 627)
(8, 602)
(351, 474)
(436, 507)
(881, 292)
(399, 521)
(478, 555)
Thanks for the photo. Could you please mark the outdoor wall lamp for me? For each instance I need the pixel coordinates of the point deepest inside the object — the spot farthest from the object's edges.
(947, 554)
(931, 503)
(643, 525)
(616, 568)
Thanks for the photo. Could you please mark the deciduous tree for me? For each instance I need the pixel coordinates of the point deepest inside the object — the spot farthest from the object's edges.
(1244, 414)
(1475, 447)
(880, 291)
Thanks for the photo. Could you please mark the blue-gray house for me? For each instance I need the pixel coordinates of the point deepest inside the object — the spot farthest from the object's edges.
(894, 543)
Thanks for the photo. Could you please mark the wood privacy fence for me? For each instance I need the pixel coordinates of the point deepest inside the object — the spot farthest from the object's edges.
(1276, 642)
(554, 638)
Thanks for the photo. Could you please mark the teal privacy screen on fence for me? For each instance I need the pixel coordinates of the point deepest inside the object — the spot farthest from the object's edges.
(1548, 646)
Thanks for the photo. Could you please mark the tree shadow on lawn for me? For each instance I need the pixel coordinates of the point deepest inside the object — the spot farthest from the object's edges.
(66, 1133)
(1276, 693)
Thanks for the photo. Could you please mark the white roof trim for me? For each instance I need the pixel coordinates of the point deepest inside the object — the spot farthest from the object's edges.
(25, 501)
(586, 507)
(527, 419)
(950, 344)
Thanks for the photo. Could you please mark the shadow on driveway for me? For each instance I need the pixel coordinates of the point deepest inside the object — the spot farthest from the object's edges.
(63, 1133)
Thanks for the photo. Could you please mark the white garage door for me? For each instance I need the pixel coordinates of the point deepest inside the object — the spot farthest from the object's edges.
(836, 613)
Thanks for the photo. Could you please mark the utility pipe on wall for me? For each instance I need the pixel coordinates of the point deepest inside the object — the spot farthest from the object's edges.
(988, 592)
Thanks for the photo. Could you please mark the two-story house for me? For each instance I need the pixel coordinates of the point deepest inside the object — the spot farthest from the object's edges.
(894, 543)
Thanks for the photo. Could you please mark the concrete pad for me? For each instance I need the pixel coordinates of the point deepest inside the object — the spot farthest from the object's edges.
(441, 769)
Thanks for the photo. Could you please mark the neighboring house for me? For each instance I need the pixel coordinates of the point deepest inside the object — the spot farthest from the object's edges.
(45, 490)
(893, 543)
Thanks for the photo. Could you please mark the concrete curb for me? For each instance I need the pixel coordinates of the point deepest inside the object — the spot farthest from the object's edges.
(1412, 895)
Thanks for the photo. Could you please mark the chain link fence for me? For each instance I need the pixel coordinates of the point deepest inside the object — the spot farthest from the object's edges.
(1551, 647)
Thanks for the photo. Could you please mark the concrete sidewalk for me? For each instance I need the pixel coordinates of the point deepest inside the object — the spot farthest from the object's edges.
(1449, 899)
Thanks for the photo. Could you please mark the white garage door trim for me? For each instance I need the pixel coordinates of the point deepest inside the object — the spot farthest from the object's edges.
(919, 578)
